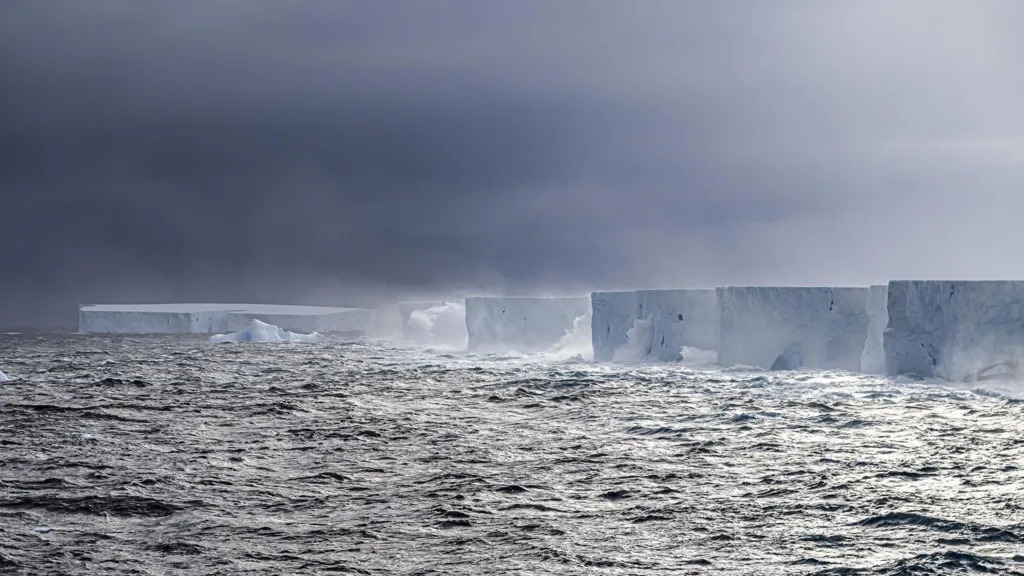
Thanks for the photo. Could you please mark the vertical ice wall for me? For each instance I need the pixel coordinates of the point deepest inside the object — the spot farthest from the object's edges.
(496, 324)
(957, 330)
(677, 318)
(872, 359)
(787, 328)
(847, 334)
(172, 319)
(613, 316)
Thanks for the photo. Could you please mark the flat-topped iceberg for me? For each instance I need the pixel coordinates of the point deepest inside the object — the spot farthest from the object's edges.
(957, 330)
(497, 324)
(785, 328)
(262, 332)
(213, 318)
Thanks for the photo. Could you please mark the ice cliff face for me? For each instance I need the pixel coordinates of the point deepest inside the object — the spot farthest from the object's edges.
(496, 324)
(653, 324)
(262, 332)
(957, 330)
(785, 328)
(872, 360)
(613, 316)
(677, 318)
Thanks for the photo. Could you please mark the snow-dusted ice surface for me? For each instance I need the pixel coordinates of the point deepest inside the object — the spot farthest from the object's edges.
(873, 358)
(212, 318)
(502, 324)
(954, 330)
(613, 315)
(793, 327)
(262, 332)
(677, 319)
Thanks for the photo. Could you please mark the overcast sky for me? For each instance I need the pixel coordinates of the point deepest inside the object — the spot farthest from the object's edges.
(333, 151)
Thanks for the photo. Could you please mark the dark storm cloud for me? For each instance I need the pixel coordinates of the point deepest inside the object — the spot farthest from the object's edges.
(341, 151)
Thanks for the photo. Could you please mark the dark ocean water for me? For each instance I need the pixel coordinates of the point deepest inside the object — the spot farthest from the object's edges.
(168, 455)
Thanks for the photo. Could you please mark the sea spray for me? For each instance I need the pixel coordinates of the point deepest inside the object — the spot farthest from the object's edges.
(442, 326)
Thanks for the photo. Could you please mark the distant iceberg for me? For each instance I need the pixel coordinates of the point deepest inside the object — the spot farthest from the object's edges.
(3, 377)
(219, 318)
(262, 332)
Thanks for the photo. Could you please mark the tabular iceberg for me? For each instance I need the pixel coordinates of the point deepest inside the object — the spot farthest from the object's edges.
(676, 319)
(496, 324)
(957, 330)
(872, 360)
(262, 332)
(613, 315)
(785, 328)
(210, 318)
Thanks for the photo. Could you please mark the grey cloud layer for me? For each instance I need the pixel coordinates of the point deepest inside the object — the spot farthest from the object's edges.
(289, 150)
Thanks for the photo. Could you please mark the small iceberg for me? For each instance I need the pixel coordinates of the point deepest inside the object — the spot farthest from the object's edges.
(263, 332)
(3, 377)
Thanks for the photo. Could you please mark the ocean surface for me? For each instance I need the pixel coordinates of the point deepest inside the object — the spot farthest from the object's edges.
(169, 455)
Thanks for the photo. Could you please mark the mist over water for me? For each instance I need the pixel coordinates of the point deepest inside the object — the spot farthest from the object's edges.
(575, 344)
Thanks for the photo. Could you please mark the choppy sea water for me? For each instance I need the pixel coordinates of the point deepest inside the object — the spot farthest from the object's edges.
(160, 455)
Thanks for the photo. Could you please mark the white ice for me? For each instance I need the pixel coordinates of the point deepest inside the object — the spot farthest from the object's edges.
(3, 377)
(787, 327)
(262, 332)
(527, 325)
(613, 315)
(872, 360)
(678, 319)
(956, 330)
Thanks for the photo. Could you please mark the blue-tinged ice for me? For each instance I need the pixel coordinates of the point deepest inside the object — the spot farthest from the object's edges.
(957, 330)
(263, 332)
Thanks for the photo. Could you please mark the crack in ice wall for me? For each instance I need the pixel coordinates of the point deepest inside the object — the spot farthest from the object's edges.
(872, 360)
(212, 318)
